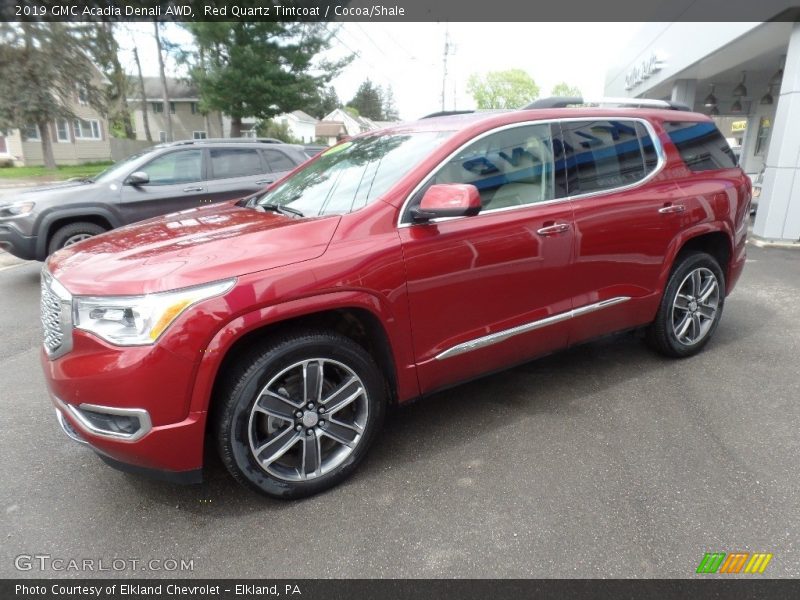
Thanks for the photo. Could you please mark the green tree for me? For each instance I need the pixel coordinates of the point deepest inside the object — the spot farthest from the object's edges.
(44, 69)
(105, 52)
(259, 68)
(279, 131)
(502, 89)
(389, 108)
(368, 101)
(322, 103)
(563, 89)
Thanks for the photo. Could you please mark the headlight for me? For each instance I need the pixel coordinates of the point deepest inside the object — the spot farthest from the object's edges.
(139, 320)
(18, 209)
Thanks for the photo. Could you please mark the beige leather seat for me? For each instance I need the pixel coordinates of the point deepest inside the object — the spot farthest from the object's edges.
(515, 194)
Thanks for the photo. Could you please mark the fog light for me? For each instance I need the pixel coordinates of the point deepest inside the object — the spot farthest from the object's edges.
(124, 424)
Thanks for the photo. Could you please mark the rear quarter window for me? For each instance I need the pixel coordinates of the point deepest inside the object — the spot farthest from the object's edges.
(701, 145)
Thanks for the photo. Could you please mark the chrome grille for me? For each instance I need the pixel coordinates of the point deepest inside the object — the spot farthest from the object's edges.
(55, 309)
(51, 318)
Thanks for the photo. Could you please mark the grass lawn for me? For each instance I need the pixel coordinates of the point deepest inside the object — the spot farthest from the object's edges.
(61, 173)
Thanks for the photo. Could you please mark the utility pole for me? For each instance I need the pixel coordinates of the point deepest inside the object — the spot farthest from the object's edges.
(448, 50)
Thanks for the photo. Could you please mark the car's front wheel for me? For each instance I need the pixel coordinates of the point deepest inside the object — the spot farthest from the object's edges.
(72, 234)
(296, 416)
(691, 307)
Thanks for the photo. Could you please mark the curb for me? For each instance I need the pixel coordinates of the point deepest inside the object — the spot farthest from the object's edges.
(759, 243)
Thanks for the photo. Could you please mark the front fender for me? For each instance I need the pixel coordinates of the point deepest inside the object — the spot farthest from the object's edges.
(234, 330)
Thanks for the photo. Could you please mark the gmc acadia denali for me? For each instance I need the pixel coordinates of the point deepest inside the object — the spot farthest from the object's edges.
(400, 262)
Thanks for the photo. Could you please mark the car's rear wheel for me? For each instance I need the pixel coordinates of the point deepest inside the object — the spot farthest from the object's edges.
(72, 234)
(297, 415)
(691, 307)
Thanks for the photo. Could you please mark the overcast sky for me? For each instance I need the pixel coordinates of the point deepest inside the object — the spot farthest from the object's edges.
(408, 56)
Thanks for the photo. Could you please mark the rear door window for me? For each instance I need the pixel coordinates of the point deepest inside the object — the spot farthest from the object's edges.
(235, 162)
(278, 161)
(604, 154)
(701, 145)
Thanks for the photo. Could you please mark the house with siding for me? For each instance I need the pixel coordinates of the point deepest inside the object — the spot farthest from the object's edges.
(187, 121)
(329, 132)
(82, 139)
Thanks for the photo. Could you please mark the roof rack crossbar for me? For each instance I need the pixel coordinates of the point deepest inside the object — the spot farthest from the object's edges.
(566, 101)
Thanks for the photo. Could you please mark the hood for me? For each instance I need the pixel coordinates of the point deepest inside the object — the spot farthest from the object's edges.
(56, 189)
(189, 248)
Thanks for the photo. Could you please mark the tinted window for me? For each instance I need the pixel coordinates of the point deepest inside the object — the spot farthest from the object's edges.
(235, 162)
(278, 161)
(602, 155)
(513, 167)
(701, 146)
(176, 167)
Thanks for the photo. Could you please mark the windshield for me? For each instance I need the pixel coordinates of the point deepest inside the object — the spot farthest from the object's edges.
(353, 174)
(118, 170)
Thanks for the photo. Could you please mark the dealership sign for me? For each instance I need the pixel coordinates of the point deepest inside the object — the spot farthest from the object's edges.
(649, 66)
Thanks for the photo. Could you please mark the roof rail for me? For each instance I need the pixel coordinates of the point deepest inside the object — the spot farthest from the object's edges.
(447, 113)
(567, 101)
(244, 140)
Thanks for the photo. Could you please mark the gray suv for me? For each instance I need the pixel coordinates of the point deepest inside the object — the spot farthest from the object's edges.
(164, 179)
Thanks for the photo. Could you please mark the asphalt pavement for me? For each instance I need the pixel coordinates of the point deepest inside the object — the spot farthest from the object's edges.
(602, 461)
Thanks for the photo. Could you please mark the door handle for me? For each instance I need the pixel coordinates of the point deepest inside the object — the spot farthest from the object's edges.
(193, 189)
(264, 181)
(553, 229)
(672, 208)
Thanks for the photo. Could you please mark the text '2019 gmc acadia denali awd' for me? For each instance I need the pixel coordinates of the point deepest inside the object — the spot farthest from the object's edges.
(394, 264)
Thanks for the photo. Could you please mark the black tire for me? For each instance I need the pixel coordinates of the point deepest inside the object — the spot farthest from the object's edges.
(235, 428)
(663, 333)
(64, 234)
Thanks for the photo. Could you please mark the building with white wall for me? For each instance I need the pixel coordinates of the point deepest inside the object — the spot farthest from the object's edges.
(750, 71)
(301, 125)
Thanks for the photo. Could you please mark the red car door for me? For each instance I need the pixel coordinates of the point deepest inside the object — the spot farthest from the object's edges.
(626, 216)
(491, 290)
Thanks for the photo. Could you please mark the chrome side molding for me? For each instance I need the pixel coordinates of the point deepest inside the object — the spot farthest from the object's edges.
(500, 336)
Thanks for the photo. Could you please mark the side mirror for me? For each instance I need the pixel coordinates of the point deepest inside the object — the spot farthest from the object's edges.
(448, 200)
(138, 178)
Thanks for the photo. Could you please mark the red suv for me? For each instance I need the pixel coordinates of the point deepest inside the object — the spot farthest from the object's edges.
(395, 264)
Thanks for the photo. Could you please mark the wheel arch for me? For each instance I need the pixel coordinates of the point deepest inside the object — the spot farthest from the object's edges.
(714, 239)
(360, 316)
(54, 221)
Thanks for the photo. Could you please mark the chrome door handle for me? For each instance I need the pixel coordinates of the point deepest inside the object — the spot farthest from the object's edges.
(193, 189)
(672, 208)
(553, 229)
(264, 181)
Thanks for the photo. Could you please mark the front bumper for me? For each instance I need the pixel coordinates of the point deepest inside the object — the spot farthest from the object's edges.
(131, 405)
(14, 242)
(182, 477)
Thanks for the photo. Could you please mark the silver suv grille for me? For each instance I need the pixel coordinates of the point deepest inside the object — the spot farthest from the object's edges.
(56, 316)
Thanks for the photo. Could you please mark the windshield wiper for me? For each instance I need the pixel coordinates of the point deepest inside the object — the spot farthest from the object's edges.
(284, 210)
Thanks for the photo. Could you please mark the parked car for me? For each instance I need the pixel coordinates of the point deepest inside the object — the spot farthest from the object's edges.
(392, 265)
(34, 223)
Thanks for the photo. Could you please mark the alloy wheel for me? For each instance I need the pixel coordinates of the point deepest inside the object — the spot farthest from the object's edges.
(695, 306)
(78, 237)
(308, 419)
